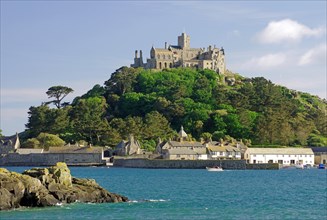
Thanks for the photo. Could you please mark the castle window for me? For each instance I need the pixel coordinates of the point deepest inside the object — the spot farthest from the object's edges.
(159, 65)
(171, 65)
(168, 56)
(163, 57)
(158, 56)
(165, 65)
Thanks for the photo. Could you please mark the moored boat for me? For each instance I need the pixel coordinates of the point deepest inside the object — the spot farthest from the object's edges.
(215, 168)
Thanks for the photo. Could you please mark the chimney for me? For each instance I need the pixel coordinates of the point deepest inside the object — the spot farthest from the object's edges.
(165, 45)
(135, 53)
(141, 54)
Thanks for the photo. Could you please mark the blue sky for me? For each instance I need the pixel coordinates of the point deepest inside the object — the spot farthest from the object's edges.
(80, 43)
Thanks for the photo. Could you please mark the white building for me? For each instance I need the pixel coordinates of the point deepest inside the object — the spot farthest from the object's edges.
(216, 151)
(182, 149)
(285, 156)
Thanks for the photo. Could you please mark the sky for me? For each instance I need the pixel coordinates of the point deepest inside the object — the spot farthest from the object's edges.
(80, 43)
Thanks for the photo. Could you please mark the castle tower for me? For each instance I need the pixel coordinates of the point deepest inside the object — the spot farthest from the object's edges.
(184, 41)
(138, 61)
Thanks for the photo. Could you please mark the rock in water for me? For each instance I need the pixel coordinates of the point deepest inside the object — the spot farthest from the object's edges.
(39, 187)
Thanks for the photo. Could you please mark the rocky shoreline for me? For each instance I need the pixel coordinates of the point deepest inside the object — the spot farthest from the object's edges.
(41, 187)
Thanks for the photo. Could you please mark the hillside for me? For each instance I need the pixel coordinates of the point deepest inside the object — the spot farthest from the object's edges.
(154, 104)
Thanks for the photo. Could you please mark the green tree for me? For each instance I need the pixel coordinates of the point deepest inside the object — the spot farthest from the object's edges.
(88, 119)
(49, 140)
(156, 126)
(59, 93)
(121, 81)
(96, 91)
(206, 136)
(38, 120)
(31, 143)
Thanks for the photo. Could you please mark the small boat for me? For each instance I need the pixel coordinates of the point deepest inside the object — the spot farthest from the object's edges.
(299, 166)
(321, 166)
(215, 168)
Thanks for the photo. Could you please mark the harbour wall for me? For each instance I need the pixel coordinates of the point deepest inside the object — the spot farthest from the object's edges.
(191, 164)
(50, 159)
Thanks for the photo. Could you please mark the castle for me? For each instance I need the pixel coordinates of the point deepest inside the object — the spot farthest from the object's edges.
(183, 56)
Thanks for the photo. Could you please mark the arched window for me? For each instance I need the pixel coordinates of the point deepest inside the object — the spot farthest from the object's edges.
(158, 56)
(163, 57)
(165, 65)
(171, 65)
(159, 65)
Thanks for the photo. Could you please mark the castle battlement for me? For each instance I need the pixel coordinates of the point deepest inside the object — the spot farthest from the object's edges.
(183, 55)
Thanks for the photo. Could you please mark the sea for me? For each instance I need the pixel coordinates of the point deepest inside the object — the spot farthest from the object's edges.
(195, 194)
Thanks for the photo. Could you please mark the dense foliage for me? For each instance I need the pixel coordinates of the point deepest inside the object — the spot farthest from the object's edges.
(154, 104)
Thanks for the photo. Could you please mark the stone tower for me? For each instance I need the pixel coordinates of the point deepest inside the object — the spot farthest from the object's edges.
(184, 41)
(182, 135)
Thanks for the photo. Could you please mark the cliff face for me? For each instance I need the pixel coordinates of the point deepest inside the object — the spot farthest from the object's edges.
(40, 187)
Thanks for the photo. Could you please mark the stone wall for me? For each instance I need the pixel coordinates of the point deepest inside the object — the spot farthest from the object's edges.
(49, 159)
(263, 166)
(190, 164)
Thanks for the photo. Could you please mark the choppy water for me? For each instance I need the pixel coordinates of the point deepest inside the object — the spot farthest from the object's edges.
(196, 194)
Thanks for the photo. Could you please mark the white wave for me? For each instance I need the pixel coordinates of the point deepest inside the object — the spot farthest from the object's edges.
(148, 200)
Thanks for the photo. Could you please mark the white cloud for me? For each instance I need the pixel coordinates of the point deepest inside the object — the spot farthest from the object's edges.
(266, 61)
(313, 55)
(287, 30)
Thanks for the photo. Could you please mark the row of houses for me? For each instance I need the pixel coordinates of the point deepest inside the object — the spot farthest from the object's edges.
(182, 149)
(179, 149)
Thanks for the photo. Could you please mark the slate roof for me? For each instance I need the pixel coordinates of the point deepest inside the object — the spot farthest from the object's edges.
(8, 140)
(288, 150)
(185, 144)
(175, 47)
(319, 149)
(200, 150)
(161, 50)
(72, 149)
(223, 149)
(184, 151)
(29, 151)
(182, 133)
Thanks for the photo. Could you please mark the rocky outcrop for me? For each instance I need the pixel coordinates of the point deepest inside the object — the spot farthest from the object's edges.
(39, 187)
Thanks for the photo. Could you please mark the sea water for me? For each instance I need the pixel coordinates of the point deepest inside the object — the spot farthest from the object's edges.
(195, 194)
